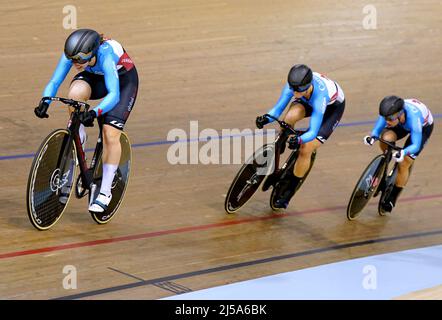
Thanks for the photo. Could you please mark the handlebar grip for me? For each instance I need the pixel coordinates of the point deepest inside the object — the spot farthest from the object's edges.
(45, 107)
(271, 117)
(45, 99)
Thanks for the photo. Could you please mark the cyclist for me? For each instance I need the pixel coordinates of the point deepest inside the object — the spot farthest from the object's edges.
(105, 72)
(317, 97)
(397, 119)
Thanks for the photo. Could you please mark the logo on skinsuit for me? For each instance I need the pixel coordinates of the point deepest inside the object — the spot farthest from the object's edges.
(116, 124)
(126, 61)
(131, 103)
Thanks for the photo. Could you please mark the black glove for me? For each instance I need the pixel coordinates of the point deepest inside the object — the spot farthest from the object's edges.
(40, 110)
(261, 121)
(87, 118)
(294, 142)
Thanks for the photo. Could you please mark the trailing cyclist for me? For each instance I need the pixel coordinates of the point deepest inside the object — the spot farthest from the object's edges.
(397, 119)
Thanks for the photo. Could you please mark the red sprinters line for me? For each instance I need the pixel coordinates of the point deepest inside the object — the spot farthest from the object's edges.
(187, 229)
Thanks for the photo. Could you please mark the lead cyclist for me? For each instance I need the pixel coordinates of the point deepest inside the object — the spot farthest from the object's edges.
(105, 72)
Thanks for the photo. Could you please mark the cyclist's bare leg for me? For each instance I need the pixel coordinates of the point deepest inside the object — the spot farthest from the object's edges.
(111, 157)
(402, 176)
(404, 172)
(296, 113)
(305, 153)
(111, 145)
(81, 91)
(390, 136)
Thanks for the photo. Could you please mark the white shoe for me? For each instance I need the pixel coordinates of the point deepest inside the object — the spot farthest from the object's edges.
(100, 204)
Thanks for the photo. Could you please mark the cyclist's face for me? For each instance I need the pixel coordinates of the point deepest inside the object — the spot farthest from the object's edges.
(298, 94)
(394, 119)
(303, 93)
(392, 123)
(80, 66)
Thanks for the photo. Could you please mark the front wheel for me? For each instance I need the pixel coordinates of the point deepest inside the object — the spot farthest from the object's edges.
(366, 186)
(249, 178)
(119, 184)
(50, 180)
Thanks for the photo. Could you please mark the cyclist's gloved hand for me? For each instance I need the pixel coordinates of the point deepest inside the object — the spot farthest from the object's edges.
(369, 140)
(40, 110)
(87, 118)
(399, 156)
(294, 142)
(261, 121)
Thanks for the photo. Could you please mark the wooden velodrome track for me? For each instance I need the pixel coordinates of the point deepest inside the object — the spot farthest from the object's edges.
(221, 62)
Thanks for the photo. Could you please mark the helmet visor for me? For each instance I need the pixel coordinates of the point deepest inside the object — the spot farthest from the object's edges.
(81, 57)
(300, 88)
(394, 116)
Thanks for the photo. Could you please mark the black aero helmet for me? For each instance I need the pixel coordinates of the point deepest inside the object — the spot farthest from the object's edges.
(390, 105)
(82, 45)
(300, 77)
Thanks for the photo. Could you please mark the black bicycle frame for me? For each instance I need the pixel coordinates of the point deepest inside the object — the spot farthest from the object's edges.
(281, 139)
(87, 173)
(388, 155)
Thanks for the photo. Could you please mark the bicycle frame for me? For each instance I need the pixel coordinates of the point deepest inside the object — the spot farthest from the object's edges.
(73, 126)
(388, 155)
(286, 130)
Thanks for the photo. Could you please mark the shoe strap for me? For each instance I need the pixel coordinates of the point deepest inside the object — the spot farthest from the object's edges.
(105, 195)
(100, 204)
